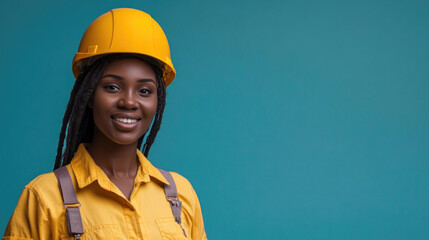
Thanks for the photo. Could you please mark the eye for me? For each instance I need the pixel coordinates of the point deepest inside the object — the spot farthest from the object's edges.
(111, 88)
(145, 91)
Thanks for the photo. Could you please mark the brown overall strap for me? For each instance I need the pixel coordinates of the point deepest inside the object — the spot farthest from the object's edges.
(171, 194)
(72, 205)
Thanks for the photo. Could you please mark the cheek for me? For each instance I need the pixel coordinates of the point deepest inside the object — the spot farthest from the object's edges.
(100, 107)
(97, 117)
(149, 107)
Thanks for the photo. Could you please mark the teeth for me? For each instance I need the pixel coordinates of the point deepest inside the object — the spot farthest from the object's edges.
(126, 120)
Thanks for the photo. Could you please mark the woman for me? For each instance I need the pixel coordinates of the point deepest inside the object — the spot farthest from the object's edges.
(122, 68)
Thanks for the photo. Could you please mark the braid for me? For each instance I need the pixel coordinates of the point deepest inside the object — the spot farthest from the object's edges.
(80, 108)
(161, 90)
(78, 117)
(76, 110)
(66, 117)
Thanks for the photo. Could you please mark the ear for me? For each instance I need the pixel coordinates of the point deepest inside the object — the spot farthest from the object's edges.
(91, 103)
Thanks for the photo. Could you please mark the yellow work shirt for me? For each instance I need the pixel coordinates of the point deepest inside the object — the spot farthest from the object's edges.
(106, 212)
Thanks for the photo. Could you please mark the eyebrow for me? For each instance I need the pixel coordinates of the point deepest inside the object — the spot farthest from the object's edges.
(121, 78)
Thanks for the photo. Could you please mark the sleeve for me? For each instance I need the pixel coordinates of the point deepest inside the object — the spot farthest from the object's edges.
(29, 220)
(191, 209)
(198, 232)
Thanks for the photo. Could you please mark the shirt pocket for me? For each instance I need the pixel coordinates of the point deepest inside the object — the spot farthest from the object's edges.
(171, 230)
(99, 232)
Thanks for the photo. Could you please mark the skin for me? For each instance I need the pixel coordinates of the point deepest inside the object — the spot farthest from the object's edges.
(127, 89)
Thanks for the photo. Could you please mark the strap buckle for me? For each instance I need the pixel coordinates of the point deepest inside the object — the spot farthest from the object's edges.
(174, 201)
(72, 205)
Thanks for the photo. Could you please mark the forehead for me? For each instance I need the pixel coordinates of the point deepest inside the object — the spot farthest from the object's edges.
(130, 67)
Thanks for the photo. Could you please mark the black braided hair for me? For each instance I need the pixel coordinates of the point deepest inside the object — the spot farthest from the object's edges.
(78, 119)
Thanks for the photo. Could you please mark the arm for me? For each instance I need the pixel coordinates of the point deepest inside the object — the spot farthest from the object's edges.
(29, 220)
(198, 231)
(191, 210)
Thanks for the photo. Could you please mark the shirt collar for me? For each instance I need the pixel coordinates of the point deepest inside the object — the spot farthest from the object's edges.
(87, 171)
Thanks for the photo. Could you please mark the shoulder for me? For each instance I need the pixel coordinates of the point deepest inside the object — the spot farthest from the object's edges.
(182, 184)
(185, 192)
(46, 181)
(191, 215)
(45, 188)
(42, 181)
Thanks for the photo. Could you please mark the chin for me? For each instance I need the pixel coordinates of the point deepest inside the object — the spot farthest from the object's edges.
(119, 137)
(125, 140)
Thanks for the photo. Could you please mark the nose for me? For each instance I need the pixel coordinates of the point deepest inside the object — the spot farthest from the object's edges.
(128, 101)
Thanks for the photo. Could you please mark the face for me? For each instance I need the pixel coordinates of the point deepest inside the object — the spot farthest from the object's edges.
(124, 101)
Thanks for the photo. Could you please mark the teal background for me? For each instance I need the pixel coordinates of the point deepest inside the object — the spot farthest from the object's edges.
(292, 119)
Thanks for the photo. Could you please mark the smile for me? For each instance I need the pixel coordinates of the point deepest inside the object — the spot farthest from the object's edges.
(125, 120)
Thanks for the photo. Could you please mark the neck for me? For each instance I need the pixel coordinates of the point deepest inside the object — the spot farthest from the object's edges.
(118, 161)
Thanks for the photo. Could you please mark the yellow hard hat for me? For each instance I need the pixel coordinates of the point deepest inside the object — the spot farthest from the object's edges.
(125, 30)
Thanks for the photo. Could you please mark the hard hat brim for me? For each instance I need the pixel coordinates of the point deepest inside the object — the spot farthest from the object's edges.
(84, 59)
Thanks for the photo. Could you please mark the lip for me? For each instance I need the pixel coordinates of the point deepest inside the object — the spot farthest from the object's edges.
(126, 115)
(125, 126)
